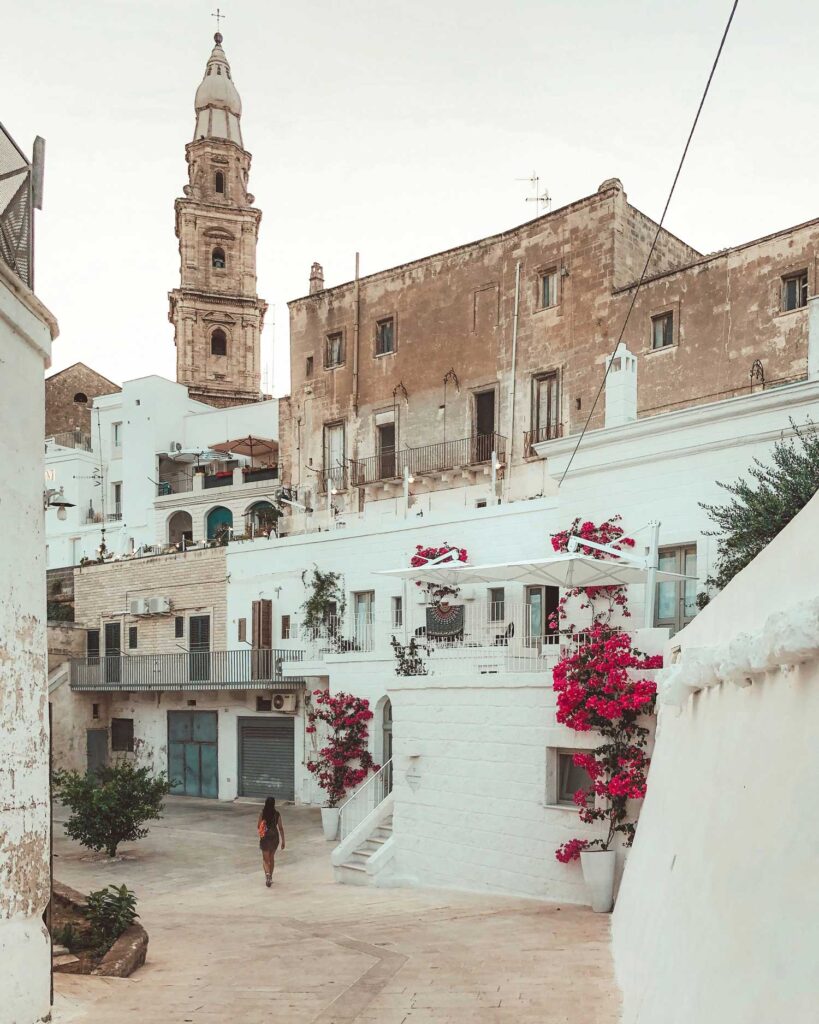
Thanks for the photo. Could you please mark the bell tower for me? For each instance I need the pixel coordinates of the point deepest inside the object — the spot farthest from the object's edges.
(216, 312)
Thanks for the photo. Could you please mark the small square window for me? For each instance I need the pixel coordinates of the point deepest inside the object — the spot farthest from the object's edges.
(179, 626)
(95, 711)
(795, 290)
(662, 330)
(285, 627)
(308, 367)
(333, 350)
(497, 604)
(571, 778)
(385, 336)
(117, 435)
(548, 288)
(122, 734)
(132, 638)
(397, 612)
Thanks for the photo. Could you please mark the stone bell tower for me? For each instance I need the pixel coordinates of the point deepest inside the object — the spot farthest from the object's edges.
(216, 313)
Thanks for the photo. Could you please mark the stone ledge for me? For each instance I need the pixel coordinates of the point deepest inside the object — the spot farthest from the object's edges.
(127, 953)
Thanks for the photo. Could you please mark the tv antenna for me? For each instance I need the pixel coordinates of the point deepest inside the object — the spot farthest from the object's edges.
(539, 198)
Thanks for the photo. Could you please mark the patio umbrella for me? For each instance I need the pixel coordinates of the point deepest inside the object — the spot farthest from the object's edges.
(252, 447)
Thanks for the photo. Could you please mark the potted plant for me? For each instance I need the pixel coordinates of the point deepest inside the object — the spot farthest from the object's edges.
(325, 605)
(344, 761)
(598, 690)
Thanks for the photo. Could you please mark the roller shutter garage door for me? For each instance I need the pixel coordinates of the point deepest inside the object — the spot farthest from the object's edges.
(266, 758)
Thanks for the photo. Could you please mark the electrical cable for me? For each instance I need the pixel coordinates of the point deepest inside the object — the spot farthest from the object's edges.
(653, 244)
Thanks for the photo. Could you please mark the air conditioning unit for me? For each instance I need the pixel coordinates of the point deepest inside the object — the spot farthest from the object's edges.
(159, 605)
(138, 606)
(174, 447)
(284, 702)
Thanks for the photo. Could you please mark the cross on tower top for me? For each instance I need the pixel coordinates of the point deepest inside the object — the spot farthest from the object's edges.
(219, 16)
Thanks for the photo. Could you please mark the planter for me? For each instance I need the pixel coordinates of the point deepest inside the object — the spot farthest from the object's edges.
(329, 822)
(598, 874)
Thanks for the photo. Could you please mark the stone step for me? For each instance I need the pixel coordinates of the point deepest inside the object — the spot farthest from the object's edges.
(58, 950)
(66, 963)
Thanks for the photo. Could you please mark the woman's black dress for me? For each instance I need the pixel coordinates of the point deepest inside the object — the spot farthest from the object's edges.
(270, 842)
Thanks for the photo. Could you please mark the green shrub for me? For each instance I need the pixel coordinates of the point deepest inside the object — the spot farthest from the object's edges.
(110, 910)
(68, 936)
(111, 807)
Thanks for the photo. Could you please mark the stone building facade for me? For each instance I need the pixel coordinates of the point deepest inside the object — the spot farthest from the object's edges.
(502, 343)
(69, 395)
(216, 312)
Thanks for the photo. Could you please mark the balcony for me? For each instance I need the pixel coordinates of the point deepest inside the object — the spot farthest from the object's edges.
(428, 460)
(193, 670)
(532, 437)
(71, 439)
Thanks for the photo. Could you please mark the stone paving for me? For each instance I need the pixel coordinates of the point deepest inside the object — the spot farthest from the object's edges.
(308, 951)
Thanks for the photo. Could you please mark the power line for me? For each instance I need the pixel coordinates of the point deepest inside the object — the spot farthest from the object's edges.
(653, 244)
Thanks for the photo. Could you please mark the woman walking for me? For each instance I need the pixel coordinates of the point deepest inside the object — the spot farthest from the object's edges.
(270, 829)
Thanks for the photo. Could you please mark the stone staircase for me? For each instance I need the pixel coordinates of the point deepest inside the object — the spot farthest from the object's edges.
(356, 868)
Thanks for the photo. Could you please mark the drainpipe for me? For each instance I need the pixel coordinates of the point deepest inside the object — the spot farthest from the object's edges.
(356, 333)
(513, 389)
(651, 576)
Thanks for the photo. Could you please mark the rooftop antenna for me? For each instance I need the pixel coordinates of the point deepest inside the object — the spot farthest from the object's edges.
(539, 198)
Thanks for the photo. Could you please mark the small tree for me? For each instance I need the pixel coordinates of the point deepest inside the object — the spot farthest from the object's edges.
(762, 506)
(325, 591)
(110, 807)
(344, 761)
(111, 911)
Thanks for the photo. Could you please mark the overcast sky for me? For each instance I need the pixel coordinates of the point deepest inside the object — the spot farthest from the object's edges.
(397, 129)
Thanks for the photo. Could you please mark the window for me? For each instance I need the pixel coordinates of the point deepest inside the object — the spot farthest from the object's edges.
(676, 603)
(363, 609)
(385, 336)
(497, 604)
(385, 439)
(116, 493)
(122, 734)
(219, 183)
(333, 469)
(217, 259)
(308, 367)
(333, 350)
(117, 435)
(92, 643)
(795, 290)
(548, 288)
(397, 612)
(545, 407)
(218, 343)
(95, 711)
(242, 631)
(662, 330)
(264, 703)
(481, 503)
(285, 627)
(80, 398)
(179, 626)
(132, 638)
(570, 778)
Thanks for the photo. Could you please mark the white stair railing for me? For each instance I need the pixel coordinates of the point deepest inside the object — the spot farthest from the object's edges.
(365, 799)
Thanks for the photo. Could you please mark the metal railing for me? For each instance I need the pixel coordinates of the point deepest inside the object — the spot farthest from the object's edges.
(185, 670)
(179, 483)
(365, 800)
(427, 459)
(224, 479)
(338, 635)
(384, 466)
(71, 439)
(17, 202)
(532, 437)
(116, 513)
(336, 476)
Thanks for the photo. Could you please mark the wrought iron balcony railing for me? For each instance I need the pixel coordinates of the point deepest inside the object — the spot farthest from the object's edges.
(428, 459)
(185, 670)
(533, 437)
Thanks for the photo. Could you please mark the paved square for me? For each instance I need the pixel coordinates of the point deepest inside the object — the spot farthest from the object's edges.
(308, 951)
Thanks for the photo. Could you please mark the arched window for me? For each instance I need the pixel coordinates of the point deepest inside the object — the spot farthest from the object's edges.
(81, 398)
(218, 258)
(219, 523)
(218, 343)
(180, 527)
(220, 182)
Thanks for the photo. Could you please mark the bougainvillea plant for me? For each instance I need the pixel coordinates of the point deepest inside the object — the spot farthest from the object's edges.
(440, 556)
(599, 690)
(602, 602)
(344, 761)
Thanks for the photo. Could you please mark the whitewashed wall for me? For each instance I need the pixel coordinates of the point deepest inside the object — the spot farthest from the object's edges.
(26, 331)
(717, 920)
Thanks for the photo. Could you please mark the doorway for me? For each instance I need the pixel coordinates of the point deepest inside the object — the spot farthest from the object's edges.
(386, 743)
(541, 609)
(484, 426)
(113, 652)
(192, 753)
(96, 750)
(266, 757)
(386, 451)
(199, 648)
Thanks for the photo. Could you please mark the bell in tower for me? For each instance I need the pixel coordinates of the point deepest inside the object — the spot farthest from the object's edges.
(216, 312)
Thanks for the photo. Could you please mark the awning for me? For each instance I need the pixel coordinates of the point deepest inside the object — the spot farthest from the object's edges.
(252, 447)
(197, 455)
(569, 570)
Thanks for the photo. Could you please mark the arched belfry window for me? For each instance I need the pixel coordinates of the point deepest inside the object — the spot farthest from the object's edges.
(81, 398)
(218, 258)
(220, 182)
(218, 343)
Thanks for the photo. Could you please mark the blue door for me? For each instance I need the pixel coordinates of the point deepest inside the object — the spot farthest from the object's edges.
(193, 765)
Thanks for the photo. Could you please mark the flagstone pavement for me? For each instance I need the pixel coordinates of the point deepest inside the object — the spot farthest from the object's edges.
(223, 948)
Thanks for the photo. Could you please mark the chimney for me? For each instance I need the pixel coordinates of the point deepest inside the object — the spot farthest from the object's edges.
(316, 278)
(621, 388)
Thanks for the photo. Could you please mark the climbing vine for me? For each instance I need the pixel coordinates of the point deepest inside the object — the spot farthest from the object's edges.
(344, 761)
(325, 590)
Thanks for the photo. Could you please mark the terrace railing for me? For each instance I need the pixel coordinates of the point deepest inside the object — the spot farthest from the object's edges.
(185, 670)
(365, 799)
(533, 437)
(428, 459)
(337, 635)
(72, 439)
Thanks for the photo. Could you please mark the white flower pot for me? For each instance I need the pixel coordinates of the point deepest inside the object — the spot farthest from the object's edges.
(329, 822)
(598, 874)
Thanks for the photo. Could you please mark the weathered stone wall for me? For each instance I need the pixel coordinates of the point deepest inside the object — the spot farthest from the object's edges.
(62, 412)
(65, 640)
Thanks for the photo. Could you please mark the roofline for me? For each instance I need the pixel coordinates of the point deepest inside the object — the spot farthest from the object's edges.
(710, 257)
(79, 362)
(488, 240)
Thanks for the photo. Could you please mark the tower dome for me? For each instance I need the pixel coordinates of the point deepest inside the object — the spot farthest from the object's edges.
(218, 105)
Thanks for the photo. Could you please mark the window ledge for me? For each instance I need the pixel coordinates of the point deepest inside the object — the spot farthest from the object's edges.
(383, 355)
(573, 808)
(656, 351)
(790, 312)
(555, 307)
